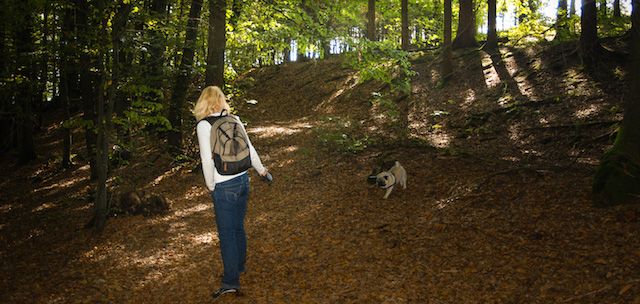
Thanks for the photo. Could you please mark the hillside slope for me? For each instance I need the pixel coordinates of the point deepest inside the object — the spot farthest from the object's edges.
(497, 208)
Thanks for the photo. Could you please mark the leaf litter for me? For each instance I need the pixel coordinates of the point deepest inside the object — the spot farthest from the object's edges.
(481, 221)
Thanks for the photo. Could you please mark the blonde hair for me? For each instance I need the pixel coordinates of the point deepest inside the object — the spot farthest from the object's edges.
(211, 100)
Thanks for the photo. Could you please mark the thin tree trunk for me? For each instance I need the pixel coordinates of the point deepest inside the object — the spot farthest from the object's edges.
(183, 79)
(25, 46)
(561, 21)
(572, 9)
(102, 143)
(104, 126)
(589, 42)
(447, 60)
(405, 25)
(616, 9)
(371, 21)
(492, 34)
(216, 43)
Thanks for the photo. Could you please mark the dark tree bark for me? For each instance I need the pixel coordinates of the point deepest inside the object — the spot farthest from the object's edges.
(589, 42)
(466, 35)
(617, 180)
(492, 34)
(157, 47)
(216, 43)
(447, 60)
(616, 9)
(102, 142)
(28, 93)
(562, 32)
(405, 25)
(177, 106)
(287, 52)
(66, 41)
(104, 118)
(371, 21)
(88, 64)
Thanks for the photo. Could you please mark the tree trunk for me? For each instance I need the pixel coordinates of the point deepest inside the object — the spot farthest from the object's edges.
(589, 42)
(405, 25)
(492, 34)
(371, 21)
(447, 60)
(287, 52)
(28, 93)
(466, 35)
(157, 49)
(88, 83)
(65, 54)
(616, 9)
(617, 180)
(562, 32)
(102, 142)
(216, 43)
(572, 9)
(104, 119)
(176, 108)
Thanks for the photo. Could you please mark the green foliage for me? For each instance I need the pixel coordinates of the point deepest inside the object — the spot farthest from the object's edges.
(339, 135)
(143, 112)
(182, 159)
(388, 108)
(382, 61)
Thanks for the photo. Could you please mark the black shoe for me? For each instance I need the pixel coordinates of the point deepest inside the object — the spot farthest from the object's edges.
(223, 291)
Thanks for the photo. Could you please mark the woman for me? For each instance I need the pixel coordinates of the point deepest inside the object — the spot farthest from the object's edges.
(229, 192)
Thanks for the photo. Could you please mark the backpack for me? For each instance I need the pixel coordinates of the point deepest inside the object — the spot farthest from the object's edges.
(229, 144)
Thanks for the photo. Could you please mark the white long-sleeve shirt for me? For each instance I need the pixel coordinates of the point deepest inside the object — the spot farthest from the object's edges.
(211, 175)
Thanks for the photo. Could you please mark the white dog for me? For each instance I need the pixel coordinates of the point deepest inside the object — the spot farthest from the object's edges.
(388, 179)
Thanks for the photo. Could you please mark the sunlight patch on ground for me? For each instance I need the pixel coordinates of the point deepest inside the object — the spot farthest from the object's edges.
(470, 98)
(160, 258)
(435, 75)
(588, 111)
(584, 160)
(588, 161)
(347, 85)
(576, 84)
(433, 134)
(195, 192)
(44, 206)
(204, 239)
(514, 69)
(514, 132)
(439, 139)
(7, 207)
(169, 173)
(290, 149)
(510, 159)
(63, 184)
(88, 206)
(274, 130)
(189, 211)
(491, 77)
(531, 153)
(285, 162)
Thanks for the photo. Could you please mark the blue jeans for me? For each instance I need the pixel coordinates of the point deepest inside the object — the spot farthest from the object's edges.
(230, 206)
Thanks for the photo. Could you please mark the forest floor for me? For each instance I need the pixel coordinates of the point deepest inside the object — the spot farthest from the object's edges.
(498, 207)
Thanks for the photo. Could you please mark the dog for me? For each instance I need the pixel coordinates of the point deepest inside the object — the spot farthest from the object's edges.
(388, 179)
